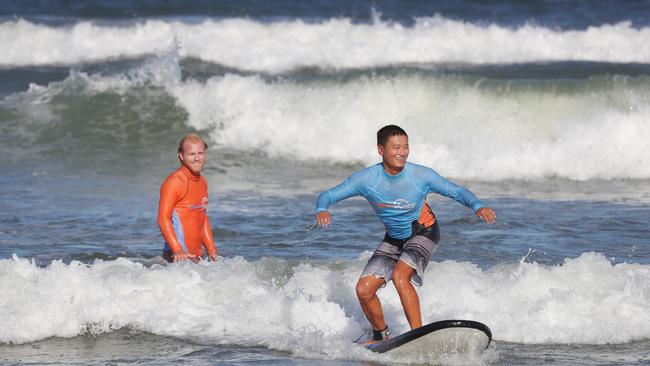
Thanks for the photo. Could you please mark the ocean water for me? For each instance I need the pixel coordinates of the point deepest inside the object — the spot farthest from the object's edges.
(541, 108)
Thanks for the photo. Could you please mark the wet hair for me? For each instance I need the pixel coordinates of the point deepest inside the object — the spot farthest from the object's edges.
(387, 131)
(193, 138)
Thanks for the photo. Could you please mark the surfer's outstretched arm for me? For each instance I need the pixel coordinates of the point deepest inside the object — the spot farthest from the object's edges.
(444, 187)
(349, 188)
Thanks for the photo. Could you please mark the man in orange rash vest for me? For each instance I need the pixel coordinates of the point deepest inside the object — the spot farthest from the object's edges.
(182, 211)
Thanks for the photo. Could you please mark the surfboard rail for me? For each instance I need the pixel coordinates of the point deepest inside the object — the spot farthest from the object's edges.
(392, 343)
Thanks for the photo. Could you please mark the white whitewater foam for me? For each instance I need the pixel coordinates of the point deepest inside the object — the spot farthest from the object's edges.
(332, 44)
(462, 130)
(462, 127)
(314, 311)
(584, 300)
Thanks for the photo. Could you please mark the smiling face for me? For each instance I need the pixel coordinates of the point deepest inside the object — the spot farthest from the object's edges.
(394, 153)
(193, 155)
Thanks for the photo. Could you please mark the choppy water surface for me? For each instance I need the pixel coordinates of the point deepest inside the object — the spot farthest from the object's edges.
(540, 112)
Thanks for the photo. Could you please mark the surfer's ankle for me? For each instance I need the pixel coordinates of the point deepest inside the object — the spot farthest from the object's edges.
(380, 335)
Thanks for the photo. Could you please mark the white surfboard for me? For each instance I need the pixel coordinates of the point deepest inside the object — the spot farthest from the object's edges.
(441, 337)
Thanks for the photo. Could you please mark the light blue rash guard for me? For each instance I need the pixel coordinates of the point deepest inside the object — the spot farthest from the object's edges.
(397, 199)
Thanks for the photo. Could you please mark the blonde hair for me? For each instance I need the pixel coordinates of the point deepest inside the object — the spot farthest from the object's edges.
(193, 138)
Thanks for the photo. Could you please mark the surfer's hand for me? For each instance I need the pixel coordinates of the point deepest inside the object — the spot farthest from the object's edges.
(212, 256)
(323, 219)
(194, 258)
(487, 214)
(180, 256)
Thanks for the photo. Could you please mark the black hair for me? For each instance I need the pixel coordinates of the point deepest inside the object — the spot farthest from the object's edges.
(387, 131)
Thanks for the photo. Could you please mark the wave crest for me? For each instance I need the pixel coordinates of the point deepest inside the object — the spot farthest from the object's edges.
(464, 127)
(337, 43)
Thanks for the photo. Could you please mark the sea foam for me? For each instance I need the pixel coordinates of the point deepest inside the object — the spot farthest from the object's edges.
(465, 127)
(337, 43)
(310, 308)
(461, 128)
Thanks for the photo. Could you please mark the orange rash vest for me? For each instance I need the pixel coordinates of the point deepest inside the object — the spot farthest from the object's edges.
(182, 213)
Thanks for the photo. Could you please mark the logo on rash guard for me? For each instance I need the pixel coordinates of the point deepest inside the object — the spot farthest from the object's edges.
(400, 204)
(202, 206)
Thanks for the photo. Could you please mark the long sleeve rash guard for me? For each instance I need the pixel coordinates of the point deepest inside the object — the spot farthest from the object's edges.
(398, 200)
(182, 216)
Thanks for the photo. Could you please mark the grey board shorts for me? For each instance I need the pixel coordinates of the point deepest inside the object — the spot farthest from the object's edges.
(415, 251)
